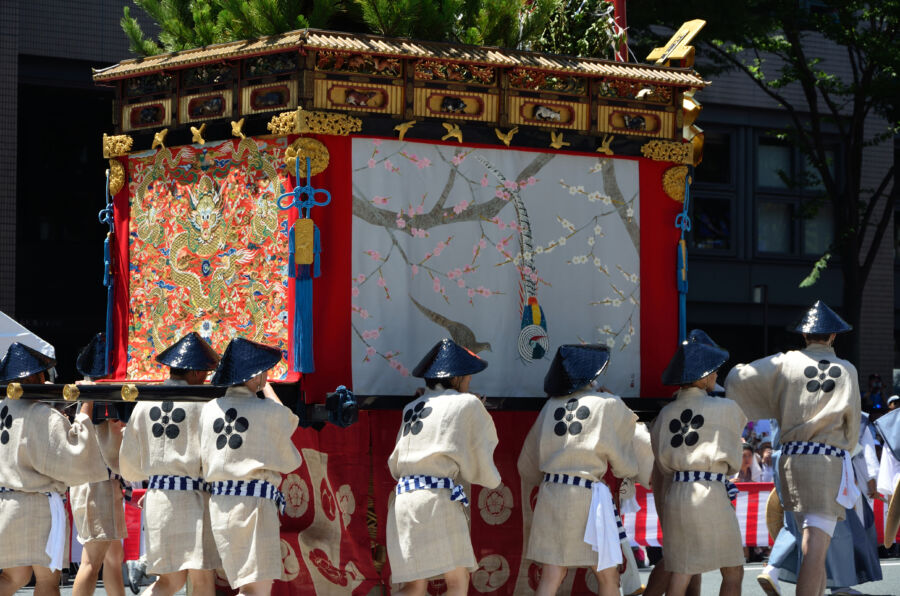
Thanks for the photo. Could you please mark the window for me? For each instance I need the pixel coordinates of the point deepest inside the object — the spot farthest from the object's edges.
(711, 223)
(793, 217)
(774, 227)
(773, 164)
(712, 196)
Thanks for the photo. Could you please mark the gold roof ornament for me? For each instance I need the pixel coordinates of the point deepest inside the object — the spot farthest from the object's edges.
(677, 47)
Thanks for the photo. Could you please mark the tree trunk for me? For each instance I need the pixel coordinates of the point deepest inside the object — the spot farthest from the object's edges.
(852, 297)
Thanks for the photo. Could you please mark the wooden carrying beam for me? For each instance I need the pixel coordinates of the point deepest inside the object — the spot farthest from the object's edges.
(111, 392)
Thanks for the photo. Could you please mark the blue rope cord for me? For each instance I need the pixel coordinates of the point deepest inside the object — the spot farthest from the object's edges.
(107, 216)
(683, 222)
(303, 274)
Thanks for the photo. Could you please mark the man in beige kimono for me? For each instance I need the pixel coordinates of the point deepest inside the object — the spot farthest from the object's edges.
(245, 447)
(697, 443)
(98, 509)
(161, 445)
(41, 454)
(577, 436)
(446, 438)
(814, 396)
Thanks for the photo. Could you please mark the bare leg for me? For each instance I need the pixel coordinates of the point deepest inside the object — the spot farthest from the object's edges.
(694, 586)
(112, 569)
(810, 580)
(731, 581)
(457, 581)
(658, 582)
(416, 587)
(92, 556)
(552, 577)
(607, 581)
(260, 588)
(167, 584)
(13, 579)
(203, 581)
(46, 581)
(678, 584)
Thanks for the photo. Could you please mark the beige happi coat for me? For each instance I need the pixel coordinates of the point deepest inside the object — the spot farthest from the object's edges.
(814, 396)
(598, 435)
(250, 441)
(98, 508)
(163, 438)
(41, 453)
(700, 433)
(447, 434)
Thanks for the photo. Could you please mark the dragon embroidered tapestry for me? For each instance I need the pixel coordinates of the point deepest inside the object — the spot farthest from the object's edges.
(208, 249)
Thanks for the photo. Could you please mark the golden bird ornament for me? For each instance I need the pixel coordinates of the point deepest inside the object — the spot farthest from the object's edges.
(556, 140)
(159, 139)
(605, 143)
(236, 128)
(453, 132)
(404, 128)
(506, 137)
(197, 134)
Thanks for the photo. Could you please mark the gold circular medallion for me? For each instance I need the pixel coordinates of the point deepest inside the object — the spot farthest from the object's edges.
(129, 392)
(14, 391)
(305, 147)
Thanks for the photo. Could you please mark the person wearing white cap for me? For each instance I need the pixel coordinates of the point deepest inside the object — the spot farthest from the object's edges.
(893, 402)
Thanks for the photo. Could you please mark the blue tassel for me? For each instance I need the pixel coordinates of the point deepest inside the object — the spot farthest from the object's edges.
(303, 325)
(110, 296)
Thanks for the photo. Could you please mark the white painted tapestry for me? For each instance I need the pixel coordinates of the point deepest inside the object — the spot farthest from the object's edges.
(510, 253)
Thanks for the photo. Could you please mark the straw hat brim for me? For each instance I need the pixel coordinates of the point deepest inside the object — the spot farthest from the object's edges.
(774, 514)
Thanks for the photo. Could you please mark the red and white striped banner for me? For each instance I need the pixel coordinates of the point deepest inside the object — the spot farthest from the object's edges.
(879, 508)
(643, 527)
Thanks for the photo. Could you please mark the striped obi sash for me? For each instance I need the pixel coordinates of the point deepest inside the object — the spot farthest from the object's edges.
(810, 448)
(694, 476)
(408, 484)
(168, 482)
(588, 484)
(848, 493)
(125, 486)
(252, 488)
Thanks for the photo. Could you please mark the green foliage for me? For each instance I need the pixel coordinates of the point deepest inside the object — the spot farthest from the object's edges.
(580, 28)
(560, 26)
(817, 270)
(185, 24)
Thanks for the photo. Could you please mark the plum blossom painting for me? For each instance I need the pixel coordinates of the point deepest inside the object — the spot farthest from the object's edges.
(510, 253)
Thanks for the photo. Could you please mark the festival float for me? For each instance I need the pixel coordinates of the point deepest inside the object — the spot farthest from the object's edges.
(351, 199)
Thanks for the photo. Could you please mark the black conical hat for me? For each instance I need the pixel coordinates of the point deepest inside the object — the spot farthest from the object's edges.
(91, 361)
(22, 361)
(244, 359)
(574, 366)
(820, 320)
(448, 359)
(696, 357)
(191, 352)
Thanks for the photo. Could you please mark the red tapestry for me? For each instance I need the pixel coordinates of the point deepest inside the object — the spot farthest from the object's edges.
(208, 249)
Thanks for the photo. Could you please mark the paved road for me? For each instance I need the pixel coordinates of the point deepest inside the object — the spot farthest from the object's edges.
(889, 586)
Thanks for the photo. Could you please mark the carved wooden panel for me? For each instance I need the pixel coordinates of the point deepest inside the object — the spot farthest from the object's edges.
(269, 97)
(455, 105)
(628, 121)
(205, 106)
(147, 114)
(549, 113)
(365, 97)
